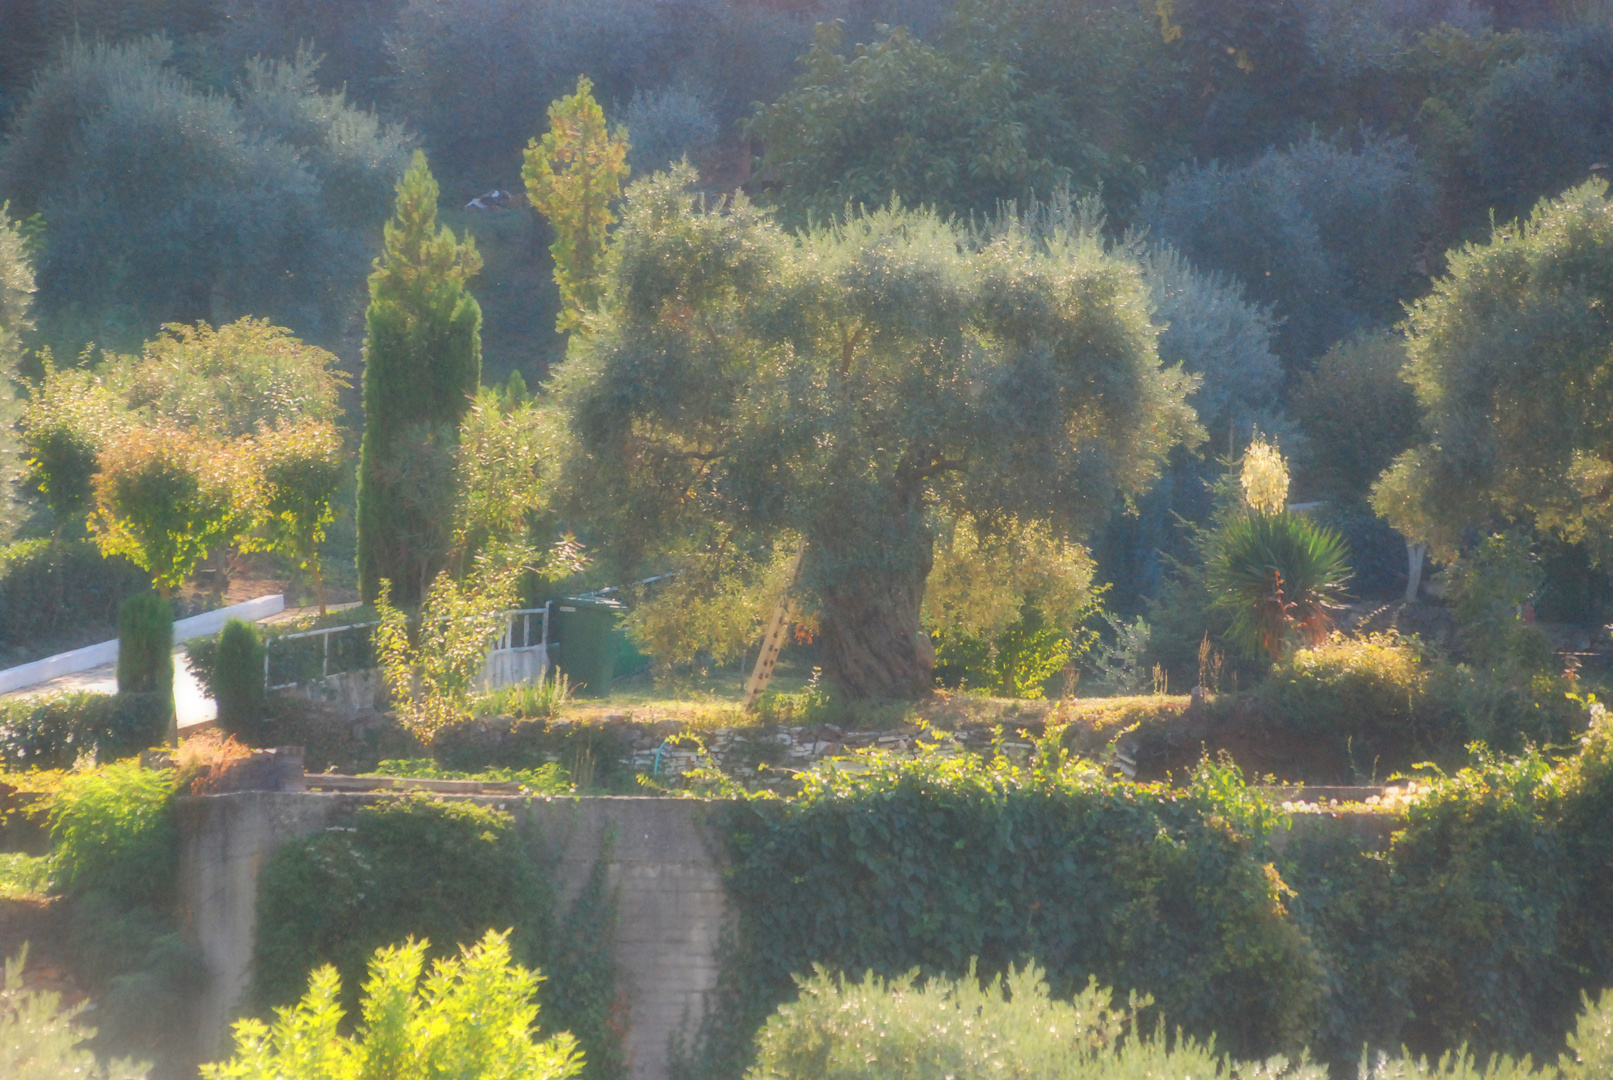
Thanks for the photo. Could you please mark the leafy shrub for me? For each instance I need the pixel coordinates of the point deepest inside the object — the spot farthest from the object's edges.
(1373, 688)
(237, 682)
(41, 1040)
(899, 117)
(1483, 876)
(54, 731)
(443, 871)
(925, 862)
(447, 872)
(58, 595)
(113, 831)
(549, 779)
(166, 203)
(541, 700)
(473, 1017)
(899, 1029)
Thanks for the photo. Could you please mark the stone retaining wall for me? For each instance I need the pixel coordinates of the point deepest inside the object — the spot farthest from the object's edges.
(667, 881)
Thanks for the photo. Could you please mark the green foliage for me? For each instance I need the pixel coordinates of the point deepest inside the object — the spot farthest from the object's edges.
(165, 499)
(71, 412)
(503, 463)
(447, 873)
(56, 593)
(472, 1017)
(542, 700)
(54, 731)
(41, 1040)
(573, 174)
(238, 680)
(233, 381)
(1010, 1027)
(1490, 584)
(899, 119)
(146, 646)
(1346, 686)
(422, 365)
(898, 1028)
(548, 779)
(743, 380)
(712, 607)
(432, 677)
(1357, 414)
(300, 469)
(170, 203)
(1278, 576)
(1509, 359)
(409, 866)
(24, 877)
(927, 862)
(113, 831)
(1323, 231)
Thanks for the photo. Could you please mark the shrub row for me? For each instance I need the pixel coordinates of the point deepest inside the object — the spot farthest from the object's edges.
(1481, 925)
(54, 731)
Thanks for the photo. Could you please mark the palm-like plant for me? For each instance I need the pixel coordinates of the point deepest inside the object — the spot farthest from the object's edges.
(1280, 576)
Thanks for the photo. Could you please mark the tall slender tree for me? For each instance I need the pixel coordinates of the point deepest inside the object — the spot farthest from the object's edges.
(573, 174)
(422, 365)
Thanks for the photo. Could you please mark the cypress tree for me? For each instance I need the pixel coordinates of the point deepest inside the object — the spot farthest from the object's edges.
(146, 651)
(422, 366)
(238, 681)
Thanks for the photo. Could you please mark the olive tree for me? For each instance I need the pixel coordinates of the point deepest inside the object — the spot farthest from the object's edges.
(1511, 356)
(843, 382)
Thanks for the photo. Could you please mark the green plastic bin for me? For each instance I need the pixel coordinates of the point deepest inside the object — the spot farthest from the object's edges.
(582, 643)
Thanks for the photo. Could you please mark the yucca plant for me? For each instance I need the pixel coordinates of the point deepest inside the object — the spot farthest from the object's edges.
(1280, 576)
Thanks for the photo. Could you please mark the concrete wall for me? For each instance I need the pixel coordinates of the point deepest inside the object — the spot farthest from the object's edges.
(668, 886)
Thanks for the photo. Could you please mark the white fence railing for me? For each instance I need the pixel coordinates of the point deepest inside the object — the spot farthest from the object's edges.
(521, 653)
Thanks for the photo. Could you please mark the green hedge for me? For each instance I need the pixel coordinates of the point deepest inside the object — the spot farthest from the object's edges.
(52, 592)
(54, 731)
(928, 863)
(1483, 922)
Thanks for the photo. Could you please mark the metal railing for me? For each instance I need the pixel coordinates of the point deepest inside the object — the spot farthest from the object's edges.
(518, 655)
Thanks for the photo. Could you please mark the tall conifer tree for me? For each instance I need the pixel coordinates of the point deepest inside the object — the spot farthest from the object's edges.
(573, 174)
(422, 366)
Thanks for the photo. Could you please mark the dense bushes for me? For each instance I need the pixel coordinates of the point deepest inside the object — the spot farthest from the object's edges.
(929, 863)
(56, 730)
(448, 872)
(900, 1030)
(1383, 702)
(58, 594)
(168, 203)
(1324, 231)
(1480, 925)
(116, 857)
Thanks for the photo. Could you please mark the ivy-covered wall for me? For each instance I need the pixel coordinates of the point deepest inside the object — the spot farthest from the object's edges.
(1481, 923)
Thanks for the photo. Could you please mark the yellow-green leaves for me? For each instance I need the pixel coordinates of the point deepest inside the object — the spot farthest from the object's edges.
(472, 1018)
(572, 175)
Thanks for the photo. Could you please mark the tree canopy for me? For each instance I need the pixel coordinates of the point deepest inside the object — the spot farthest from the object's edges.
(842, 382)
(1511, 356)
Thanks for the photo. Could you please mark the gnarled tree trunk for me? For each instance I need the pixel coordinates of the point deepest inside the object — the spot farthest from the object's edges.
(870, 584)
